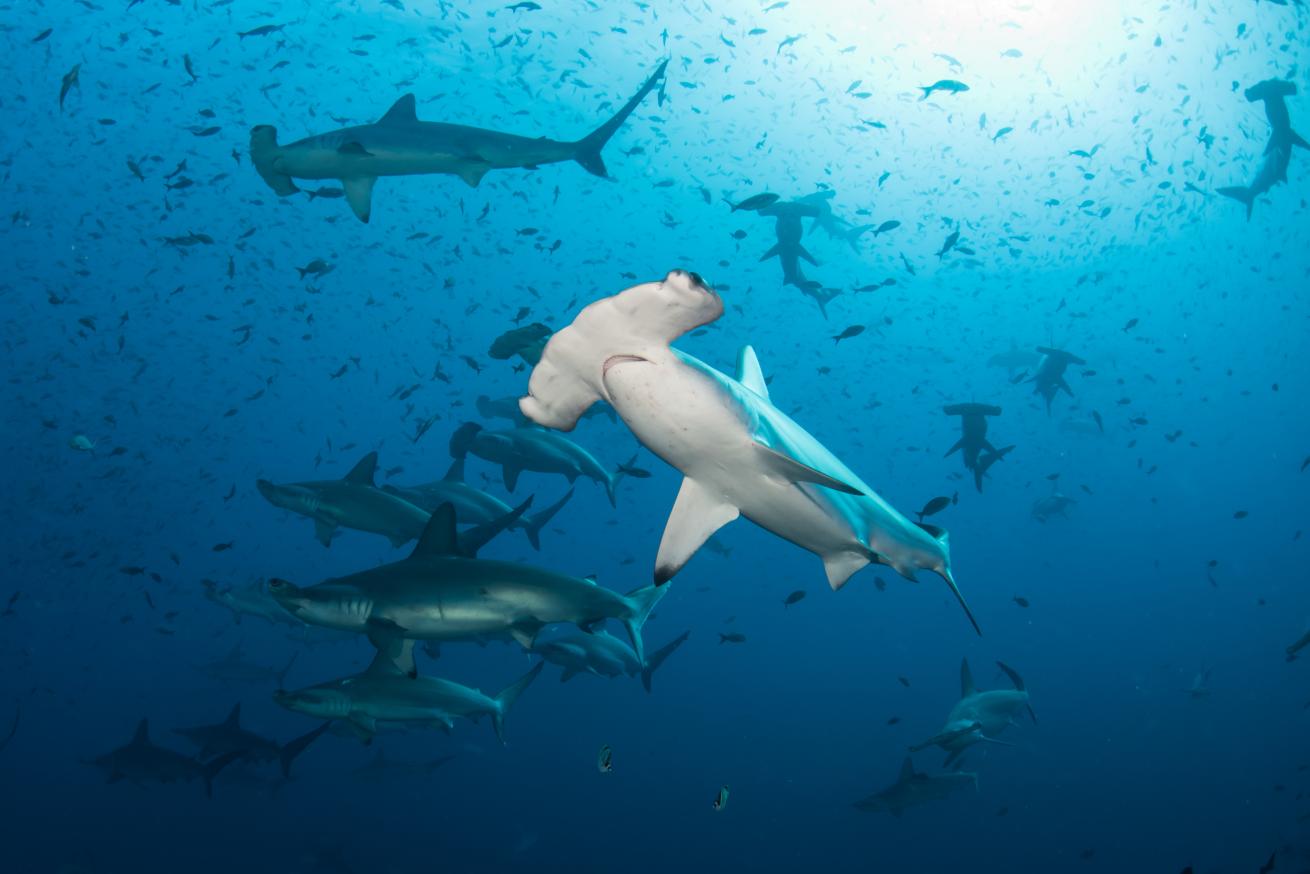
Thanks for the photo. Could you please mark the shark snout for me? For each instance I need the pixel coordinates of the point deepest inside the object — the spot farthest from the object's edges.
(286, 593)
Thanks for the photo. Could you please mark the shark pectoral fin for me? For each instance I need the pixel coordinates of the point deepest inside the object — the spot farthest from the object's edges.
(800, 250)
(366, 725)
(389, 639)
(359, 194)
(473, 171)
(790, 469)
(324, 531)
(696, 515)
(749, 372)
(841, 565)
(773, 252)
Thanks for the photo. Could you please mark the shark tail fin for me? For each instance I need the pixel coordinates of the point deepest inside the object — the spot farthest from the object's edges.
(1241, 193)
(589, 147)
(641, 602)
(211, 769)
(264, 152)
(533, 524)
(505, 700)
(298, 745)
(652, 664)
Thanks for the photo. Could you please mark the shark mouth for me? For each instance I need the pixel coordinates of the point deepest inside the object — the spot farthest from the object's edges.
(614, 360)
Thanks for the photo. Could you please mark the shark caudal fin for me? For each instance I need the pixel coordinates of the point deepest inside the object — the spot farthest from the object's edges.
(1240, 193)
(264, 152)
(589, 147)
(296, 746)
(533, 524)
(569, 378)
(505, 700)
(652, 664)
(209, 770)
(640, 603)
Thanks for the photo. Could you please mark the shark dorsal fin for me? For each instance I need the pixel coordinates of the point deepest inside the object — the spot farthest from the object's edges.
(456, 472)
(907, 770)
(749, 373)
(234, 718)
(142, 736)
(468, 543)
(967, 687)
(363, 472)
(438, 538)
(401, 112)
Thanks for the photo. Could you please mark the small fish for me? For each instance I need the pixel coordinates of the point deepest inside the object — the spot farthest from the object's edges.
(1096, 417)
(756, 202)
(81, 443)
(852, 331)
(721, 800)
(223, 547)
(731, 637)
(262, 30)
(949, 244)
(1132, 323)
(1002, 132)
(793, 598)
(950, 86)
(1021, 601)
(1240, 514)
(605, 760)
(69, 82)
(904, 682)
(886, 226)
(936, 505)
(630, 469)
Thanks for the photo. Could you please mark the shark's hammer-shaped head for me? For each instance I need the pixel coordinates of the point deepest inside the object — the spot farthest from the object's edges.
(321, 702)
(326, 605)
(633, 324)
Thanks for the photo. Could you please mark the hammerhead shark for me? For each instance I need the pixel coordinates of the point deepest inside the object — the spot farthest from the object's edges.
(740, 455)
(973, 442)
(1049, 378)
(398, 144)
(1278, 151)
(913, 788)
(979, 717)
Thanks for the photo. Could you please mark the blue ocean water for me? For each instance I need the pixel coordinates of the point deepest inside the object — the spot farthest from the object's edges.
(175, 330)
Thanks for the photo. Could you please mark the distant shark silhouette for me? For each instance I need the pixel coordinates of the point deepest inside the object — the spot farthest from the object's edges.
(1278, 151)
(398, 144)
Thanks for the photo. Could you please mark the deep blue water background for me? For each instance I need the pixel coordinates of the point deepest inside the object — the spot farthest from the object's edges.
(1123, 616)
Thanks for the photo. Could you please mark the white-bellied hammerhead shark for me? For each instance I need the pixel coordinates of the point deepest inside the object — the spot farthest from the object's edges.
(350, 502)
(142, 761)
(443, 592)
(913, 788)
(604, 655)
(398, 144)
(520, 449)
(740, 454)
(389, 691)
(472, 505)
(979, 716)
(1278, 151)
(229, 736)
(973, 441)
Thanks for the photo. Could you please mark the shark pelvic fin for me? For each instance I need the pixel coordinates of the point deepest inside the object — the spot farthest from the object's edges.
(696, 515)
(359, 194)
(401, 112)
(324, 531)
(399, 661)
(789, 468)
(749, 372)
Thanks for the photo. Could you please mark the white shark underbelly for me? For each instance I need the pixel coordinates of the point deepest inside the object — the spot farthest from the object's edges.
(713, 445)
